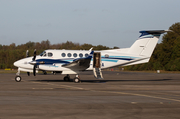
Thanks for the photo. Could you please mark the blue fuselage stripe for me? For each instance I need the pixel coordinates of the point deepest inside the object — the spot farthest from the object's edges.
(68, 60)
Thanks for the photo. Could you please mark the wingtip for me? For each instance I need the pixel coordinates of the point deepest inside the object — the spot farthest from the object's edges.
(91, 49)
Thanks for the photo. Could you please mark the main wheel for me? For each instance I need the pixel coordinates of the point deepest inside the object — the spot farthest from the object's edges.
(54, 72)
(17, 78)
(76, 80)
(66, 78)
(44, 72)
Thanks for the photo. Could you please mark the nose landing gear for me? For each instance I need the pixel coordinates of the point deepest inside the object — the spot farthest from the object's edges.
(18, 78)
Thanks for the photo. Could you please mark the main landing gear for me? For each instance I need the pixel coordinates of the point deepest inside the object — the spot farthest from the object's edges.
(67, 78)
(76, 79)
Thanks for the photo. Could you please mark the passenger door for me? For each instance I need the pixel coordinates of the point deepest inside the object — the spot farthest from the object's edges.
(97, 65)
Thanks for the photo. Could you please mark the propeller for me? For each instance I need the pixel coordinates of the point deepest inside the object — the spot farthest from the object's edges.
(35, 65)
(27, 53)
(28, 73)
(34, 58)
(34, 69)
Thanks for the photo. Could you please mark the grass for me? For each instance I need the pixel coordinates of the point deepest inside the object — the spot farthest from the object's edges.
(3, 71)
(150, 71)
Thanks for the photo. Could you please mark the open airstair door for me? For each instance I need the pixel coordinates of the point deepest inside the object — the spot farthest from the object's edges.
(97, 65)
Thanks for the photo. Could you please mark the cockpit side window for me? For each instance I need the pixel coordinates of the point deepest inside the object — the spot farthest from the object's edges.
(50, 54)
(43, 53)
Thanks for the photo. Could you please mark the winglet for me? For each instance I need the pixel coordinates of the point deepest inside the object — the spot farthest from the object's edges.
(90, 54)
(90, 49)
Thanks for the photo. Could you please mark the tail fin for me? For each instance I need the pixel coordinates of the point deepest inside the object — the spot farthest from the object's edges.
(146, 43)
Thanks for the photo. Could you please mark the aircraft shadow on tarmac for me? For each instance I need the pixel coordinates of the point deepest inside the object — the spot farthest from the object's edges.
(101, 80)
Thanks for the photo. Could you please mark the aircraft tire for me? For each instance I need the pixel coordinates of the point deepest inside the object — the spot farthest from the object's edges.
(18, 79)
(44, 72)
(66, 78)
(76, 80)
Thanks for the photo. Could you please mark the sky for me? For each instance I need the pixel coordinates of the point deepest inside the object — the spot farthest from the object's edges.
(97, 22)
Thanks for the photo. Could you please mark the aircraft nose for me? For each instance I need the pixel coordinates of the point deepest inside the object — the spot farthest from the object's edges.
(17, 63)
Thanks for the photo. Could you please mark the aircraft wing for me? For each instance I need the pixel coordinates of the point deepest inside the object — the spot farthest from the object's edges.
(79, 64)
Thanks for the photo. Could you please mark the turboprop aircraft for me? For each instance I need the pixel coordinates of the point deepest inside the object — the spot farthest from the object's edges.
(76, 61)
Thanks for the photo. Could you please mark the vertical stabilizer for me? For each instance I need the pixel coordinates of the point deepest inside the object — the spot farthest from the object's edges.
(146, 43)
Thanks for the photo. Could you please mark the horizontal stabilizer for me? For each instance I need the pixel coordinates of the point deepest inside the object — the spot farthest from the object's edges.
(154, 31)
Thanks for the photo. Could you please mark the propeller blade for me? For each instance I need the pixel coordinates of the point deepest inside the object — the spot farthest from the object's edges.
(34, 58)
(27, 53)
(35, 52)
(34, 70)
(28, 73)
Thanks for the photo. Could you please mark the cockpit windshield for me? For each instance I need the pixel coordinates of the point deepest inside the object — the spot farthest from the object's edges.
(43, 53)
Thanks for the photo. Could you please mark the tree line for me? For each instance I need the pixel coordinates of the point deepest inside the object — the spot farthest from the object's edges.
(166, 55)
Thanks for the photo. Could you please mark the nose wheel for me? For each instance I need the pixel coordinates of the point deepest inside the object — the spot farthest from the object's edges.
(67, 78)
(17, 78)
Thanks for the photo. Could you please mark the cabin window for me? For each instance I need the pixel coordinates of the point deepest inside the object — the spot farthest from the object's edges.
(63, 55)
(80, 55)
(50, 54)
(69, 54)
(86, 55)
(75, 55)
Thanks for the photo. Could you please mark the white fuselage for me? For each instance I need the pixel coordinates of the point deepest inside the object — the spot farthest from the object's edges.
(56, 58)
